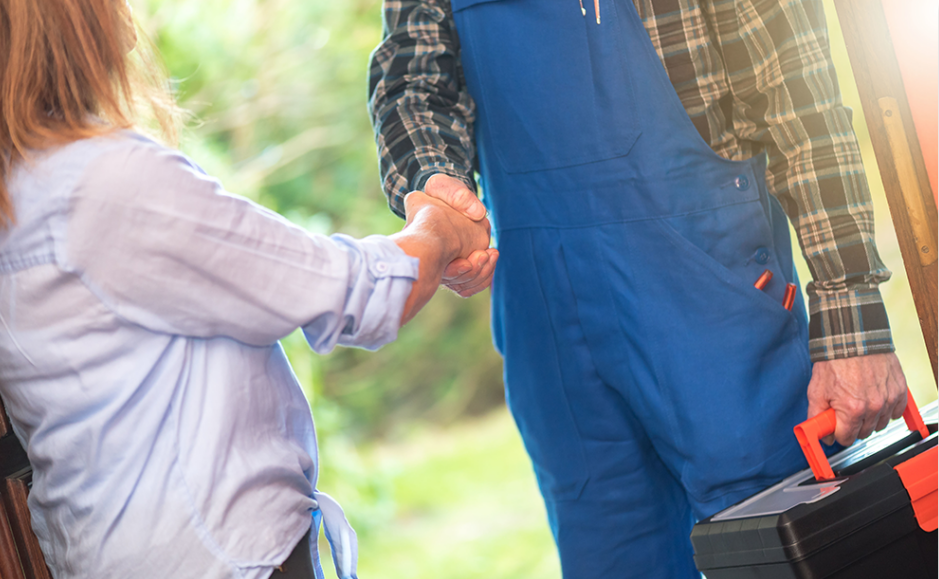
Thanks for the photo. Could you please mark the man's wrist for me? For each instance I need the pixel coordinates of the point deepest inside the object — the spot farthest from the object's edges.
(420, 179)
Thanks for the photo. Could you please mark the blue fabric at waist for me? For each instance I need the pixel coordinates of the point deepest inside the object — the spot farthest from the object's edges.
(614, 193)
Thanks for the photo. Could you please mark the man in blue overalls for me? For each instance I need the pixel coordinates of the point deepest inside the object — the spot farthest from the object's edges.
(652, 382)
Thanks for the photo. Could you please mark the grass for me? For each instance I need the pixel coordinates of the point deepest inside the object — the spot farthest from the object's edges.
(461, 503)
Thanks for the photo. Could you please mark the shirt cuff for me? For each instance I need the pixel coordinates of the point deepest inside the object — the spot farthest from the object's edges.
(419, 181)
(382, 275)
(393, 273)
(848, 323)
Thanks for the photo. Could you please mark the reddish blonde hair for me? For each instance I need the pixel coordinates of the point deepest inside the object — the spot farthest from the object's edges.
(64, 69)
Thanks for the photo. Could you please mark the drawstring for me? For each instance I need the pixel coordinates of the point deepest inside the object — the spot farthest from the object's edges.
(596, 9)
(341, 537)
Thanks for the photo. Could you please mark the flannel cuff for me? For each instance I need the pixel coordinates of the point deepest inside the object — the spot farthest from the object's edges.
(848, 323)
(419, 180)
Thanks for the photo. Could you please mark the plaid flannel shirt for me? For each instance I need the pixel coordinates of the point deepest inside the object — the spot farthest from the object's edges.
(754, 76)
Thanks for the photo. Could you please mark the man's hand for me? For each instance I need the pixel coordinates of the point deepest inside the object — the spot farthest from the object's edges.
(436, 234)
(472, 274)
(866, 393)
(455, 235)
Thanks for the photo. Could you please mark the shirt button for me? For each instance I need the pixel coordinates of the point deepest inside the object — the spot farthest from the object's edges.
(381, 267)
(742, 183)
(762, 256)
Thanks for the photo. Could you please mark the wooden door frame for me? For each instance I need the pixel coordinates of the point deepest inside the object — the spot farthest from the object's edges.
(899, 157)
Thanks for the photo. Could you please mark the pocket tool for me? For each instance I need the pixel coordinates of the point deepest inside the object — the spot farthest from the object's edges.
(763, 280)
(596, 9)
(790, 296)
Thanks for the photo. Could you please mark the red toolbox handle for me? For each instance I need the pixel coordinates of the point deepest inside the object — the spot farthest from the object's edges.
(812, 430)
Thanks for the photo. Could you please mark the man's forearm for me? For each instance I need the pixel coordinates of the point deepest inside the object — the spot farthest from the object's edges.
(786, 98)
(420, 110)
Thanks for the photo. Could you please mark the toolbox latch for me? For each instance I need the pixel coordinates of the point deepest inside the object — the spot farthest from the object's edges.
(920, 479)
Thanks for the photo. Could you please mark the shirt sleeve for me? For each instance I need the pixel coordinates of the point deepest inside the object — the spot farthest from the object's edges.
(164, 246)
(786, 97)
(420, 109)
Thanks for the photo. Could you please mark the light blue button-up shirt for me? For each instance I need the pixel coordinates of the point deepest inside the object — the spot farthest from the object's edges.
(140, 311)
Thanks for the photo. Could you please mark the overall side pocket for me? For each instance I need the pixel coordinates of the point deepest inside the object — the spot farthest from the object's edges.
(538, 362)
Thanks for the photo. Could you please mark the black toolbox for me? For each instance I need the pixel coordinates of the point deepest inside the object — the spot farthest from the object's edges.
(873, 518)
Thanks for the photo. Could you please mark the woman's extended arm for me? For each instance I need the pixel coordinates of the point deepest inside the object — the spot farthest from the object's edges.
(164, 246)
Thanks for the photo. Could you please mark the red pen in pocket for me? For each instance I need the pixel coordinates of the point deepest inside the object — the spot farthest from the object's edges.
(790, 296)
(763, 279)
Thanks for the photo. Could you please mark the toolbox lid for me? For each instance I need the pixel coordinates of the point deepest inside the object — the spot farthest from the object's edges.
(799, 517)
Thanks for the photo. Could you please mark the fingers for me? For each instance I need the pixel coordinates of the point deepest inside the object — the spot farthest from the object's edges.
(460, 270)
(865, 391)
(875, 405)
(882, 421)
(466, 282)
(480, 283)
(868, 421)
(818, 394)
(900, 405)
(464, 270)
(456, 194)
(848, 422)
(818, 401)
(899, 388)
(890, 403)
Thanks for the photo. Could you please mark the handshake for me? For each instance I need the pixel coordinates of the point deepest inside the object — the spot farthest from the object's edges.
(448, 231)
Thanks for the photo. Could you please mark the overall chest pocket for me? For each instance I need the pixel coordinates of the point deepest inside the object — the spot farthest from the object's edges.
(552, 86)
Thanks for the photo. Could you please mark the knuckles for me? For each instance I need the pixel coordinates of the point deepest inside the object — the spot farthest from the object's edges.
(855, 408)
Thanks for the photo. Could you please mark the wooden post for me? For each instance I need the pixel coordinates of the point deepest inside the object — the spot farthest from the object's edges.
(4, 421)
(9, 558)
(20, 554)
(14, 492)
(893, 135)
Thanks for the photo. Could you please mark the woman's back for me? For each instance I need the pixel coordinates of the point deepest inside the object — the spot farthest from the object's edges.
(138, 359)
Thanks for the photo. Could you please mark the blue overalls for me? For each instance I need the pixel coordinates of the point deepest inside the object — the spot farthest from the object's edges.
(651, 381)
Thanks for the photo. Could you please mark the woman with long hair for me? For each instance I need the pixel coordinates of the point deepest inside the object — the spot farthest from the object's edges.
(140, 311)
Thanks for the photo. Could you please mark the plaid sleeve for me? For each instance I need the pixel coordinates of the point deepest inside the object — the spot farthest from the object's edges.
(419, 106)
(786, 97)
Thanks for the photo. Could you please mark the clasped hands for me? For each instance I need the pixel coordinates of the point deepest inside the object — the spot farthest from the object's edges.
(448, 231)
(472, 270)
(472, 273)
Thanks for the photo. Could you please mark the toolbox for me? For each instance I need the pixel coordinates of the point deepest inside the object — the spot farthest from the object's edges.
(868, 514)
